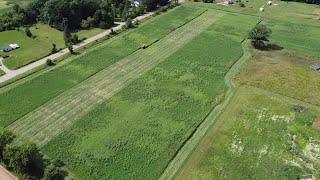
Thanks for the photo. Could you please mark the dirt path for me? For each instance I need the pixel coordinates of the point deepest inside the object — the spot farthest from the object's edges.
(13, 73)
(6, 175)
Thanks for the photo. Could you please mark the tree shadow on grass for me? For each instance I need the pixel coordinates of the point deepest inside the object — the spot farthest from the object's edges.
(271, 47)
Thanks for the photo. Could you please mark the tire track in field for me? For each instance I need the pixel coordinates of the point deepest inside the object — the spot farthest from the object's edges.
(52, 118)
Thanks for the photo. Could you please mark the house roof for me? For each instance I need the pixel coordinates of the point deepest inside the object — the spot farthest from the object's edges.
(5, 48)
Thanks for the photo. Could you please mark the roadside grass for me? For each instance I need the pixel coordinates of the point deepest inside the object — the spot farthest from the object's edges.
(283, 72)
(136, 133)
(29, 95)
(87, 33)
(252, 139)
(31, 49)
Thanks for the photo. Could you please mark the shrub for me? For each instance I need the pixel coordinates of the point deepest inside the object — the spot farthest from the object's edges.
(28, 32)
(54, 48)
(103, 25)
(50, 62)
(74, 39)
(242, 4)
(129, 23)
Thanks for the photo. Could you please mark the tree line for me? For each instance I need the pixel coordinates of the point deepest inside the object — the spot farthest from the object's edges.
(75, 13)
(26, 160)
(306, 1)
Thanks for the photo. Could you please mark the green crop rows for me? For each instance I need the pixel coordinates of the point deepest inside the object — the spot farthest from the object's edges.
(135, 133)
(25, 97)
(53, 117)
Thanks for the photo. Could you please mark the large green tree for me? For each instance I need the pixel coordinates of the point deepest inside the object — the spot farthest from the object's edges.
(6, 137)
(259, 35)
(25, 158)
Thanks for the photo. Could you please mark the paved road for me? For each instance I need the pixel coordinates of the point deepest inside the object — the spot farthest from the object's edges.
(6, 175)
(13, 73)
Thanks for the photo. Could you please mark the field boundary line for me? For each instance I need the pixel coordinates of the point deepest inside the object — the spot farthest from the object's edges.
(200, 132)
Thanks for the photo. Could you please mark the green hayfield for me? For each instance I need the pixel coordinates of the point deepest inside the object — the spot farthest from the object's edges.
(54, 117)
(292, 12)
(29, 95)
(134, 134)
(283, 72)
(295, 36)
(31, 49)
(251, 140)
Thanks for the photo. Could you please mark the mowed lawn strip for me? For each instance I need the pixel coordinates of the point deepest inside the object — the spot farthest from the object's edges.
(20, 100)
(49, 120)
(136, 133)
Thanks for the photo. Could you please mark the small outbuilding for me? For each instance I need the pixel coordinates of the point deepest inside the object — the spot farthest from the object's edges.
(315, 67)
(269, 3)
(261, 9)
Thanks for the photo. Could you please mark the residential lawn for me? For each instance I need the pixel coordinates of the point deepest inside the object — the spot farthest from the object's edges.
(2, 72)
(31, 49)
(85, 34)
(283, 72)
(27, 96)
(252, 140)
(136, 133)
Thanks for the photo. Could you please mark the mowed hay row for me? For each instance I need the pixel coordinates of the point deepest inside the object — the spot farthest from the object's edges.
(49, 120)
(29, 94)
(135, 133)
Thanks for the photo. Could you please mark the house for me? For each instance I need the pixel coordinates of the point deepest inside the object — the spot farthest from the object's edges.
(136, 3)
(14, 46)
(228, 2)
(269, 3)
(315, 67)
(6, 48)
(261, 9)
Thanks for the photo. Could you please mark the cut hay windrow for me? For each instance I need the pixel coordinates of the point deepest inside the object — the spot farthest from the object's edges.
(52, 118)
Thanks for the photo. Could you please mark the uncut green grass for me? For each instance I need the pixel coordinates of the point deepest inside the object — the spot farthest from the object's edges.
(290, 12)
(136, 133)
(295, 36)
(257, 123)
(27, 96)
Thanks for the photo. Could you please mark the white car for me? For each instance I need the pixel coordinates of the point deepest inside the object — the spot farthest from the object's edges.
(14, 46)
